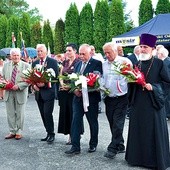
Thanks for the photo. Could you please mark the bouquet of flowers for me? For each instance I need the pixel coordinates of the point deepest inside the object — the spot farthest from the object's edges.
(131, 74)
(92, 79)
(38, 74)
(5, 84)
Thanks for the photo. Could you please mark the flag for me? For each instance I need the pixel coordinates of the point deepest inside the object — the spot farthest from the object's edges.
(13, 40)
(24, 53)
(49, 52)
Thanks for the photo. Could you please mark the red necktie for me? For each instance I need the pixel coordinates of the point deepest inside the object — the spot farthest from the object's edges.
(14, 73)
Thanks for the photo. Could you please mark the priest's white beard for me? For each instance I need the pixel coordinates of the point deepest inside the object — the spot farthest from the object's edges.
(144, 57)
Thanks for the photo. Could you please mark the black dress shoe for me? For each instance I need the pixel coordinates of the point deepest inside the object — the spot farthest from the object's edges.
(110, 154)
(51, 139)
(91, 149)
(45, 139)
(72, 152)
(121, 150)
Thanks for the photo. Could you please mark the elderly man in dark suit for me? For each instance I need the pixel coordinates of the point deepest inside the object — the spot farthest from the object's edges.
(44, 95)
(91, 65)
(134, 58)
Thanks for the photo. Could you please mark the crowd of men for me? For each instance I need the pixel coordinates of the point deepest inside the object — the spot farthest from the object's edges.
(147, 105)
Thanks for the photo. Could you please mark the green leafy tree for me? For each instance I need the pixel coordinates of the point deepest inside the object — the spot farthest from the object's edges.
(116, 20)
(101, 18)
(3, 30)
(24, 30)
(48, 36)
(145, 11)
(59, 37)
(72, 29)
(162, 7)
(13, 26)
(36, 34)
(86, 24)
(16, 7)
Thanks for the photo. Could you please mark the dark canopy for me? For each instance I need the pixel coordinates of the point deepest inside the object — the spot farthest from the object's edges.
(159, 26)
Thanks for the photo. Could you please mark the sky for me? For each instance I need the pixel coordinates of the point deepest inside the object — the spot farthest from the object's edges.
(56, 9)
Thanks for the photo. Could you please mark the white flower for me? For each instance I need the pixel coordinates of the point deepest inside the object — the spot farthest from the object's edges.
(51, 72)
(39, 67)
(73, 76)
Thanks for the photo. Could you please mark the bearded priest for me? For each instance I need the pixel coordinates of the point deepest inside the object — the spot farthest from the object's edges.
(148, 140)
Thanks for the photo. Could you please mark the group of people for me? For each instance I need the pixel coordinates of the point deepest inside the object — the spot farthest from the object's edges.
(148, 140)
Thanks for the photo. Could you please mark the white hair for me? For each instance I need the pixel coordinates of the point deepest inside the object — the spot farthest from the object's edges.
(15, 50)
(136, 48)
(41, 46)
(164, 52)
(87, 47)
(110, 44)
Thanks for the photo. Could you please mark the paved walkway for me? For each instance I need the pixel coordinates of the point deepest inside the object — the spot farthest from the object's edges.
(30, 153)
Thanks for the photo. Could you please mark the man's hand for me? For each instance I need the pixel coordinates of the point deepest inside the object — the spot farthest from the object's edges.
(78, 93)
(148, 86)
(36, 88)
(64, 87)
(40, 84)
(15, 87)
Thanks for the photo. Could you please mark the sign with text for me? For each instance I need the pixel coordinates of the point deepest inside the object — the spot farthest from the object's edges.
(163, 39)
(126, 41)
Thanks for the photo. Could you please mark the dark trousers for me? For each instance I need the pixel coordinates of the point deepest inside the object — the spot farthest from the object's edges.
(77, 121)
(115, 111)
(46, 108)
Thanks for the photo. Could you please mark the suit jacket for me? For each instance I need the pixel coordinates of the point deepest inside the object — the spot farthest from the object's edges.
(21, 94)
(46, 92)
(92, 66)
(133, 59)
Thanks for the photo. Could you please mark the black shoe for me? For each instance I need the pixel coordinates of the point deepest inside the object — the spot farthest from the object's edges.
(91, 149)
(110, 155)
(72, 152)
(45, 139)
(68, 143)
(51, 139)
(121, 151)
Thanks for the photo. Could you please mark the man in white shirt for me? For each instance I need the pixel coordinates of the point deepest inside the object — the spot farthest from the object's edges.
(117, 101)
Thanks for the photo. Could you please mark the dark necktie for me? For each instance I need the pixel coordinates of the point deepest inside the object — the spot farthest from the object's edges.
(82, 68)
(41, 62)
(14, 73)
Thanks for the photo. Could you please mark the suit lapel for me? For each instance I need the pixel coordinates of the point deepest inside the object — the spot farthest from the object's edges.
(88, 67)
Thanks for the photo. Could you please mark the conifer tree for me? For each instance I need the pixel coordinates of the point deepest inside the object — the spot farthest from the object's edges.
(162, 7)
(101, 17)
(36, 34)
(48, 39)
(3, 31)
(59, 37)
(116, 21)
(13, 26)
(145, 11)
(72, 29)
(24, 30)
(86, 24)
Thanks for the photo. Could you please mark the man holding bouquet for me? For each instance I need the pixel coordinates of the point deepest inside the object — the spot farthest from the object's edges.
(85, 66)
(15, 96)
(116, 102)
(45, 95)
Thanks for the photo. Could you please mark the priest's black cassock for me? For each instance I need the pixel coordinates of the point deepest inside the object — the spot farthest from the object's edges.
(148, 140)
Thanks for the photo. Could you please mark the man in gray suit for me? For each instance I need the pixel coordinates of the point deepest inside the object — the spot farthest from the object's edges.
(16, 97)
